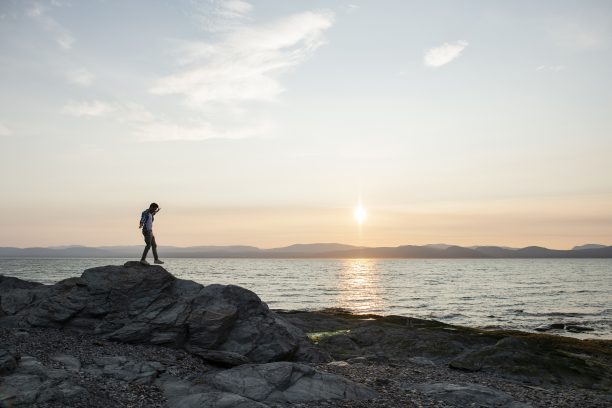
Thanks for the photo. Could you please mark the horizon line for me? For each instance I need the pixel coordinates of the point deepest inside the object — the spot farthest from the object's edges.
(65, 246)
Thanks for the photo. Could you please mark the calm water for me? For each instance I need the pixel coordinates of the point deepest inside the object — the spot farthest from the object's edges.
(506, 293)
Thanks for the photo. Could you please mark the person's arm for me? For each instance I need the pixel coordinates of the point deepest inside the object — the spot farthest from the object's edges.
(143, 219)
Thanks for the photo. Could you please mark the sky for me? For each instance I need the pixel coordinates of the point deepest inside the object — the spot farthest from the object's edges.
(266, 123)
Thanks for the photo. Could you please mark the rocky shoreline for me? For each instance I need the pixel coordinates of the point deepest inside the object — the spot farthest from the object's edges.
(129, 336)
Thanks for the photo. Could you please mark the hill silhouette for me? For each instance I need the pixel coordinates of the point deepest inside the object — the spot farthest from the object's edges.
(319, 250)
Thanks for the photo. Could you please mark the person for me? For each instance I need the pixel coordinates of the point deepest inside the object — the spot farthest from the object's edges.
(146, 223)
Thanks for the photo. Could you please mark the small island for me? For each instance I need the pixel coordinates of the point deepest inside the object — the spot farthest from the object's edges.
(136, 336)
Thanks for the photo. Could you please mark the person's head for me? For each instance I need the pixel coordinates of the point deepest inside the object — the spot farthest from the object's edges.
(153, 207)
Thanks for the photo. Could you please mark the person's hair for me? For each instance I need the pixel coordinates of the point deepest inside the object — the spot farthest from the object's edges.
(153, 205)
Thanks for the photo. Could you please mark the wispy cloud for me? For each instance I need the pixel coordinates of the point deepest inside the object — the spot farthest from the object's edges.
(163, 130)
(87, 109)
(220, 15)
(219, 80)
(4, 130)
(81, 77)
(144, 126)
(39, 13)
(442, 55)
(234, 8)
(128, 112)
(566, 32)
(553, 68)
(246, 64)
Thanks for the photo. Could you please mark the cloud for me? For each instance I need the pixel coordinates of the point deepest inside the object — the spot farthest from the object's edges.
(442, 55)
(235, 8)
(219, 80)
(567, 33)
(39, 13)
(553, 68)
(164, 131)
(4, 130)
(220, 15)
(127, 112)
(246, 64)
(81, 77)
(88, 109)
(144, 126)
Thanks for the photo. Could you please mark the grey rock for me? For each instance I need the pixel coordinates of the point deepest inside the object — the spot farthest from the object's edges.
(574, 328)
(536, 363)
(138, 304)
(19, 389)
(214, 400)
(223, 358)
(287, 382)
(339, 364)
(33, 383)
(421, 361)
(16, 300)
(124, 369)
(70, 362)
(8, 362)
(174, 387)
(8, 283)
(469, 395)
(30, 365)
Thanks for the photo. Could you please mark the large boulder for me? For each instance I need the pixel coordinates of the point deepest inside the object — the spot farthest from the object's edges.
(146, 304)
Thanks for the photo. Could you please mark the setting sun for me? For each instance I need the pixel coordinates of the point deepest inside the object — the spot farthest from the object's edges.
(360, 214)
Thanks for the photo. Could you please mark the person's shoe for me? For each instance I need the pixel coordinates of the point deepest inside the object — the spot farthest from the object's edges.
(158, 262)
(144, 262)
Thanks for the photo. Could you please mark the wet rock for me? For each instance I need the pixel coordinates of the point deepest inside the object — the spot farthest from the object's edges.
(578, 329)
(548, 327)
(464, 395)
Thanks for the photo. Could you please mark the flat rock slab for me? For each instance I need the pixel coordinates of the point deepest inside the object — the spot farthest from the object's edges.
(287, 382)
(531, 362)
(32, 383)
(214, 400)
(464, 395)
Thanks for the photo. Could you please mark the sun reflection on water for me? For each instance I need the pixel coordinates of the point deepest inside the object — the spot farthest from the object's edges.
(359, 287)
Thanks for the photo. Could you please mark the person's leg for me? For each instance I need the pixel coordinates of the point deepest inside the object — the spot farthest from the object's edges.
(147, 239)
(154, 247)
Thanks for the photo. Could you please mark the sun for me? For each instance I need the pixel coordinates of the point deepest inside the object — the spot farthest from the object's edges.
(360, 214)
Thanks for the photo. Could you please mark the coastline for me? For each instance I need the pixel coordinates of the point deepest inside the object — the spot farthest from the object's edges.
(139, 337)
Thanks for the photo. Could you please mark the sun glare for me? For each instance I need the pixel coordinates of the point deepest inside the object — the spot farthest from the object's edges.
(360, 214)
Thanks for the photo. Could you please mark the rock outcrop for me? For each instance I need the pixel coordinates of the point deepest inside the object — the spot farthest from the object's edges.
(146, 304)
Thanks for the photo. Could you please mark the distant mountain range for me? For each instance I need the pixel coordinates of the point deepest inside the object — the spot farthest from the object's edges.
(431, 251)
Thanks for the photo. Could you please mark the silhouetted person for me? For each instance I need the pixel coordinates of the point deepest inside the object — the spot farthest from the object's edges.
(146, 223)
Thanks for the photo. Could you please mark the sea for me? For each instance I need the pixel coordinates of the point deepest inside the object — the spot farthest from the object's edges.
(521, 294)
